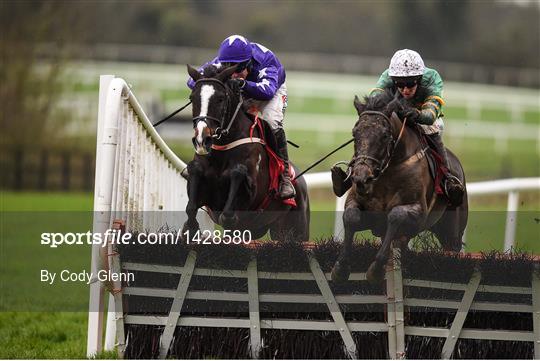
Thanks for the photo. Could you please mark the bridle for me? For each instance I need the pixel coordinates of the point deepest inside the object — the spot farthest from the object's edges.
(219, 132)
(381, 165)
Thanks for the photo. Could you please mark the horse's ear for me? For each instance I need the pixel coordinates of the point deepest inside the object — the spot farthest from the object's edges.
(396, 106)
(193, 73)
(396, 116)
(226, 73)
(358, 105)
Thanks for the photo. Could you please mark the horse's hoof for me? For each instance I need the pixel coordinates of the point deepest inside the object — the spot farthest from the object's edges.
(340, 272)
(455, 194)
(190, 231)
(228, 222)
(375, 273)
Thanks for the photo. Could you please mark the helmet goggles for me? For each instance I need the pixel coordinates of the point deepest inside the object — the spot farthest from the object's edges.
(239, 66)
(408, 82)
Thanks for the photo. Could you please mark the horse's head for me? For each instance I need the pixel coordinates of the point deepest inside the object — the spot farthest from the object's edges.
(212, 105)
(374, 139)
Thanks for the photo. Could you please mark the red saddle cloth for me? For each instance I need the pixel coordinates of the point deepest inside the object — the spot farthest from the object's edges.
(440, 172)
(436, 165)
(276, 167)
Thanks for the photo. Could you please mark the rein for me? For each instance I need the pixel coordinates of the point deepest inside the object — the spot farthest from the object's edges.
(363, 157)
(171, 115)
(323, 158)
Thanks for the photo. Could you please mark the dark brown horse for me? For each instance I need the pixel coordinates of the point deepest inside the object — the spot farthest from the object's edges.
(393, 193)
(229, 173)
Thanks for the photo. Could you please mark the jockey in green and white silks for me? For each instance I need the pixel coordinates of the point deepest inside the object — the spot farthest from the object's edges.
(422, 87)
(430, 104)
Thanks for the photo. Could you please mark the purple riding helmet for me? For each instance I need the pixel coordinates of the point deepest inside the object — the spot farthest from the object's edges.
(234, 49)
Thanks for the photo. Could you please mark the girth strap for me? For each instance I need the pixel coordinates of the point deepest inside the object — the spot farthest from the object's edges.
(238, 142)
(415, 157)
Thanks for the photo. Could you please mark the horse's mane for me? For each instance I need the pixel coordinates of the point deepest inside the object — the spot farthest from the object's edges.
(211, 70)
(378, 102)
(385, 102)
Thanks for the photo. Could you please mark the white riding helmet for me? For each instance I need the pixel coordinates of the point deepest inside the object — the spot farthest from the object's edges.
(406, 63)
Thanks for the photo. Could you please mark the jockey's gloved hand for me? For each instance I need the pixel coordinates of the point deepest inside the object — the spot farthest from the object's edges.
(236, 84)
(412, 116)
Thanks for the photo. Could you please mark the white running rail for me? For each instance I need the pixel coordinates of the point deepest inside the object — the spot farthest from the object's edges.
(138, 179)
(512, 187)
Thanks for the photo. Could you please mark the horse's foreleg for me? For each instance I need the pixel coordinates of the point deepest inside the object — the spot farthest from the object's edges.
(196, 172)
(238, 175)
(352, 224)
(401, 221)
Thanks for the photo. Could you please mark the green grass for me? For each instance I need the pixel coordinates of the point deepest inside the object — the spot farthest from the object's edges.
(485, 229)
(481, 161)
(532, 117)
(42, 335)
(481, 158)
(39, 201)
(179, 96)
(45, 335)
(79, 87)
(40, 321)
(57, 324)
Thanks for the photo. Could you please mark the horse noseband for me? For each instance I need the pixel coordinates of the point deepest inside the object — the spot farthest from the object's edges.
(219, 132)
(391, 145)
(218, 121)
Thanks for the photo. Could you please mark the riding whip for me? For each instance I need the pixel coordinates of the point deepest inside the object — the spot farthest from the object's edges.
(172, 114)
(323, 158)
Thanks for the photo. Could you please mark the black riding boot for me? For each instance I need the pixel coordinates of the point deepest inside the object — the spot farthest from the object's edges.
(286, 188)
(341, 181)
(452, 186)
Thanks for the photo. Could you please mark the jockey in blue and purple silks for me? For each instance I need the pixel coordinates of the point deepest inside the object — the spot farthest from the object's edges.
(261, 77)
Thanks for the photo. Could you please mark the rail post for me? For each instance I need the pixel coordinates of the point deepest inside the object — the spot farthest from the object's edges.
(102, 202)
(511, 220)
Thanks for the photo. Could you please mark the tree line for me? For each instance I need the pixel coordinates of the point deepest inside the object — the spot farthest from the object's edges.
(478, 32)
(495, 33)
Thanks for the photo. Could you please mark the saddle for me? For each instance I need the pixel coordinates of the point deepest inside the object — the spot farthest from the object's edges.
(439, 173)
(275, 165)
(341, 182)
(437, 170)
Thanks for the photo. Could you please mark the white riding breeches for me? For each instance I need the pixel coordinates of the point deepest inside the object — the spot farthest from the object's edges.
(273, 110)
(436, 127)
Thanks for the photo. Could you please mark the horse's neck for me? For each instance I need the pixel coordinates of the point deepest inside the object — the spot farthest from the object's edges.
(240, 128)
(408, 145)
(243, 124)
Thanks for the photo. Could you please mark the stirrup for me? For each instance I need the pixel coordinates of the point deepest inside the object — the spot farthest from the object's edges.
(453, 178)
(455, 192)
(283, 193)
(341, 181)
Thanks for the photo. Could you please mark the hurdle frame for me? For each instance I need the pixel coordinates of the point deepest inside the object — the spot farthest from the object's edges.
(114, 91)
(394, 301)
(114, 95)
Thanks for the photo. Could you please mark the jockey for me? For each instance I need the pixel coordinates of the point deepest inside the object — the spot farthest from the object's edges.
(261, 77)
(422, 87)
